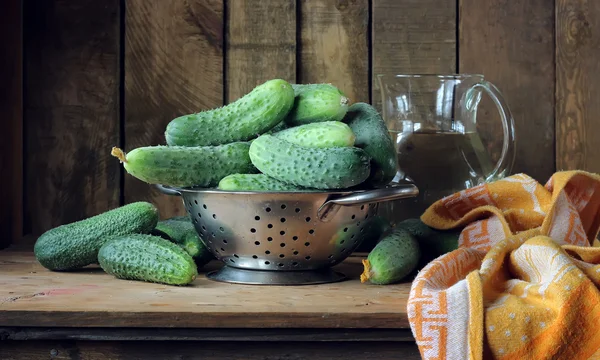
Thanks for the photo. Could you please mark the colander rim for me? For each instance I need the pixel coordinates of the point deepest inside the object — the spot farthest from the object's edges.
(196, 190)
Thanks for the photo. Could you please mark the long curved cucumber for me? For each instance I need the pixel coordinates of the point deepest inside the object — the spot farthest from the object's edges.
(319, 135)
(249, 116)
(255, 182)
(202, 166)
(317, 103)
(75, 245)
(331, 168)
(373, 136)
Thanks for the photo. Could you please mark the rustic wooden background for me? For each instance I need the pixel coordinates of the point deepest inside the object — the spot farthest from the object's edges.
(79, 77)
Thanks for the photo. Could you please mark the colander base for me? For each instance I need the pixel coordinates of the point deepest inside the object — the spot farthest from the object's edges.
(265, 277)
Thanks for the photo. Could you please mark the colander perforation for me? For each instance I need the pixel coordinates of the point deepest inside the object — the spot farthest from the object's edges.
(289, 232)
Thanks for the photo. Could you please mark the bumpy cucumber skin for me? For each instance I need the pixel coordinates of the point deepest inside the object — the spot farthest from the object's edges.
(254, 113)
(180, 230)
(332, 168)
(395, 256)
(202, 166)
(373, 136)
(75, 245)
(317, 103)
(319, 135)
(255, 182)
(147, 258)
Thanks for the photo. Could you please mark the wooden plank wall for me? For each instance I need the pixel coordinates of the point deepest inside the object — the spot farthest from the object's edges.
(99, 74)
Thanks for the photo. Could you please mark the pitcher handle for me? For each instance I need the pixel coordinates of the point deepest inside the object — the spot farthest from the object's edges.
(507, 157)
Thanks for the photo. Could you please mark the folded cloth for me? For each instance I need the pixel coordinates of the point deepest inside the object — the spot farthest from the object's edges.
(524, 282)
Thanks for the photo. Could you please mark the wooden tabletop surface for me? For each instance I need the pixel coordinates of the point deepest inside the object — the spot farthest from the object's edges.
(30, 295)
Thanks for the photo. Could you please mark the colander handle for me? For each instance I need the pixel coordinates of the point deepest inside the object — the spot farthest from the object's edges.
(167, 191)
(395, 192)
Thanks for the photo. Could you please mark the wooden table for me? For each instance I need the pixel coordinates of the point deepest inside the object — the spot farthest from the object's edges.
(88, 314)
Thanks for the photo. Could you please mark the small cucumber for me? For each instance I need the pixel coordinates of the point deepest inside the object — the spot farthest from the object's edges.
(75, 245)
(254, 182)
(332, 168)
(180, 230)
(316, 103)
(373, 136)
(395, 256)
(319, 135)
(202, 166)
(148, 258)
(254, 113)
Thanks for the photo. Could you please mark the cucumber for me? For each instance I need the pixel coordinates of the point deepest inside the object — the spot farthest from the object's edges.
(319, 135)
(254, 113)
(395, 256)
(202, 166)
(75, 245)
(254, 182)
(193, 244)
(332, 168)
(433, 242)
(373, 136)
(180, 230)
(316, 103)
(147, 258)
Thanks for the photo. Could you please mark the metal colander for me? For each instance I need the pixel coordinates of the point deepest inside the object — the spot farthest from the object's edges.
(283, 237)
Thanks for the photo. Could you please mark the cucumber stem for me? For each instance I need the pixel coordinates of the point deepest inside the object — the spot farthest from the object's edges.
(344, 100)
(366, 275)
(119, 154)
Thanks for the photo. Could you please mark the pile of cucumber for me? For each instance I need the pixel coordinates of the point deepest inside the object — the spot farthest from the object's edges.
(277, 137)
(128, 242)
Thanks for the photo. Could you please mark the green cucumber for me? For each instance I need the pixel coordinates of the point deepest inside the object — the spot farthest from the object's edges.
(202, 166)
(181, 231)
(395, 256)
(331, 168)
(254, 182)
(433, 242)
(373, 136)
(75, 245)
(316, 103)
(193, 244)
(249, 116)
(147, 258)
(319, 135)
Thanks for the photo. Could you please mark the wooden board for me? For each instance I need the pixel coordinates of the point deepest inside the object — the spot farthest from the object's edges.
(71, 110)
(173, 66)
(148, 350)
(412, 37)
(335, 45)
(11, 108)
(33, 296)
(577, 85)
(261, 44)
(511, 43)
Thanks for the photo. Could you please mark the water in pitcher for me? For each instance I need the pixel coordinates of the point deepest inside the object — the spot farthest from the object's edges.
(439, 163)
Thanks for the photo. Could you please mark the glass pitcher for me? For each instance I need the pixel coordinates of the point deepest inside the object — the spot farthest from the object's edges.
(433, 121)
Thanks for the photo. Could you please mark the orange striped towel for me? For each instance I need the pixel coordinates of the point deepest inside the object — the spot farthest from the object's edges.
(524, 282)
